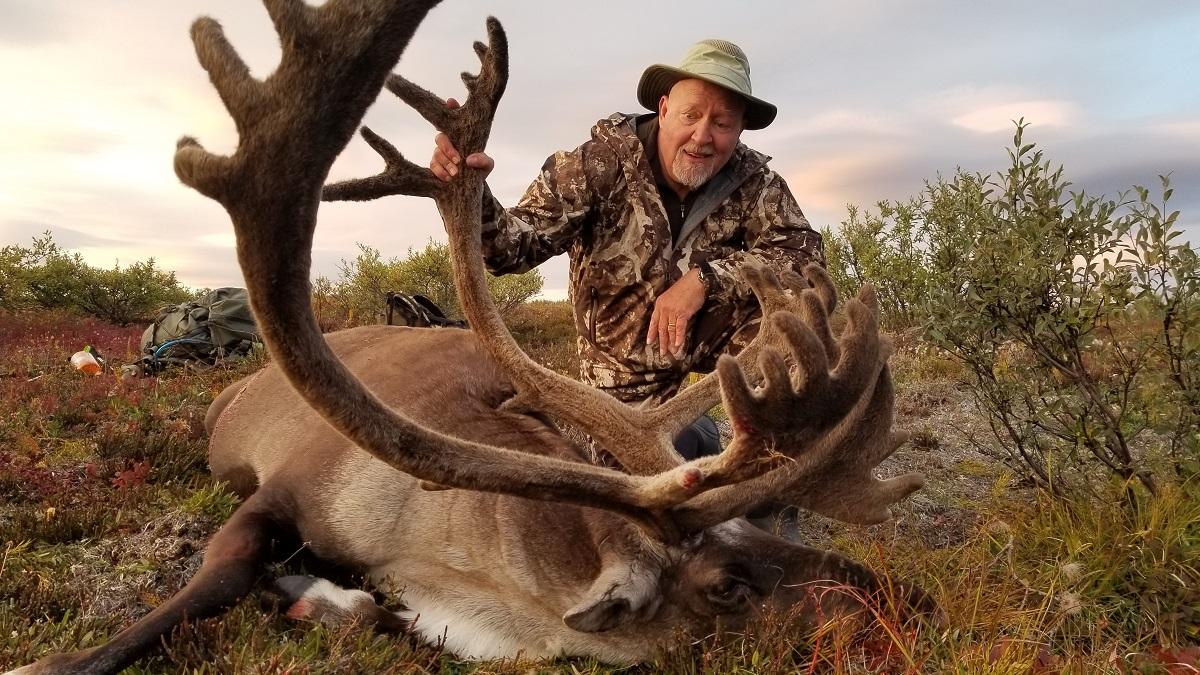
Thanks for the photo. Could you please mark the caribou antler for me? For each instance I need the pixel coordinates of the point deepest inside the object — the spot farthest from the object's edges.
(835, 476)
(301, 117)
(780, 425)
(640, 439)
(292, 125)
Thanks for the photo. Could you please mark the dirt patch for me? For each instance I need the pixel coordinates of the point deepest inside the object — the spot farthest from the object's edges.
(948, 434)
(127, 576)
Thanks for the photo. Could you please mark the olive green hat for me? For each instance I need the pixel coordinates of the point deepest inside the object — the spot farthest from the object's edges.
(717, 61)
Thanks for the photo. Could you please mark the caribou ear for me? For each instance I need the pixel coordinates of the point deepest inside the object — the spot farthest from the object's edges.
(599, 616)
(623, 593)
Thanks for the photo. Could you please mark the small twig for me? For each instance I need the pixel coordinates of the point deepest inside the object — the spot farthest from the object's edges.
(4, 561)
(303, 546)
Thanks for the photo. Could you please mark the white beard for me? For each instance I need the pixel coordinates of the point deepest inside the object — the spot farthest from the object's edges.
(689, 173)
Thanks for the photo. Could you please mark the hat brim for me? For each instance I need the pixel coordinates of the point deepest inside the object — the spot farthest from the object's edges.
(658, 79)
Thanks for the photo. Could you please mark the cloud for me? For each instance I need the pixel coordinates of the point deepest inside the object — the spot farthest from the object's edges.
(1188, 129)
(867, 109)
(1001, 116)
(27, 22)
(824, 183)
(835, 122)
(218, 239)
(22, 232)
(992, 107)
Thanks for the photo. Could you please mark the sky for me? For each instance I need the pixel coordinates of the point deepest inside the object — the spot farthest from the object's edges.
(874, 98)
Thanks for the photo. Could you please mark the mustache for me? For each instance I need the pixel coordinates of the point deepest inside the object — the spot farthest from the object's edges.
(700, 150)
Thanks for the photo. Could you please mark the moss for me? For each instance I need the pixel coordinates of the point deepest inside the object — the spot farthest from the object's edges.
(213, 501)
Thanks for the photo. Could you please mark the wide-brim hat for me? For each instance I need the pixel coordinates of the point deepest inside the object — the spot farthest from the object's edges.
(716, 61)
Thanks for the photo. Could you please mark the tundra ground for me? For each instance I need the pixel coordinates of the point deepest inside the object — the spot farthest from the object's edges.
(106, 505)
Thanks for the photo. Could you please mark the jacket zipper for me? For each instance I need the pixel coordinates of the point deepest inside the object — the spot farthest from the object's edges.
(592, 317)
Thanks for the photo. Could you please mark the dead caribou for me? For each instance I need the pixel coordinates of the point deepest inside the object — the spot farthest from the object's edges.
(456, 488)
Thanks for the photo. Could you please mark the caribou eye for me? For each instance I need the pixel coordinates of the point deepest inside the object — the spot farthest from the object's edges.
(731, 594)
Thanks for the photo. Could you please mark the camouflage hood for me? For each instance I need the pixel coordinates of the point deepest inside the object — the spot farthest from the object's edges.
(600, 204)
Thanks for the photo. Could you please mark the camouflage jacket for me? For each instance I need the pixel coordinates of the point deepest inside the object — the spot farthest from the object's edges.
(600, 203)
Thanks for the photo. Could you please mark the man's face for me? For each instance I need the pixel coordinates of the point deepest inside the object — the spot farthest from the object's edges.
(698, 129)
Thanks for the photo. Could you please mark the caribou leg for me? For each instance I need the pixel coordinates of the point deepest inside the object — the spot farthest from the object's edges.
(316, 599)
(235, 558)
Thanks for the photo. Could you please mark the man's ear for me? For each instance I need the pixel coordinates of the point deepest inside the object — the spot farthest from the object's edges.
(621, 594)
(662, 105)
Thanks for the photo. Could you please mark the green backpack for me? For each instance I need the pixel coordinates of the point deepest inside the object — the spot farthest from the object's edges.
(200, 333)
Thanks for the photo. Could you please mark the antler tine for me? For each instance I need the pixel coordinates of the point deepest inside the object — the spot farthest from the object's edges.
(834, 479)
(789, 293)
(399, 177)
(469, 125)
(823, 285)
(229, 74)
(493, 58)
(814, 309)
(776, 376)
(862, 353)
(429, 105)
(292, 18)
(869, 297)
(207, 173)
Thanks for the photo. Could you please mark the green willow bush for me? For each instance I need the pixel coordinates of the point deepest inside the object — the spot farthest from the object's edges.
(888, 249)
(1076, 317)
(357, 296)
(44, 276)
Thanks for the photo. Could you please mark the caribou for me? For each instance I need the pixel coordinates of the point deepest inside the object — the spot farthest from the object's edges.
(430, 460)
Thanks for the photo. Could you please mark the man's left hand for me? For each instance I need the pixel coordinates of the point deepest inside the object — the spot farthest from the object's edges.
(672, 312)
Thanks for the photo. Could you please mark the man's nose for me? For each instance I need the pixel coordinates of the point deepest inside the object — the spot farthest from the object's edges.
(702, 133)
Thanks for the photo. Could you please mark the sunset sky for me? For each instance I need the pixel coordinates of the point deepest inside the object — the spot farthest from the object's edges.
(874, 97)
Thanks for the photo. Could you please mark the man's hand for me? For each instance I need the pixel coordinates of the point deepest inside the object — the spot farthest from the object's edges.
(672, 312)
(446, 161)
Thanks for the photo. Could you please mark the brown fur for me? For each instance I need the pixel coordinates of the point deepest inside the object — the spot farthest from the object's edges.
(536, 551)
(534, 563)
